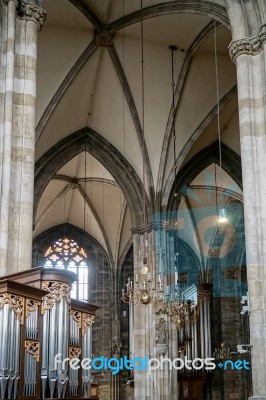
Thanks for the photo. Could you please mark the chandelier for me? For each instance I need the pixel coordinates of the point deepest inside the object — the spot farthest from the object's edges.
(141, 290)
(178, 313)
(177, 308)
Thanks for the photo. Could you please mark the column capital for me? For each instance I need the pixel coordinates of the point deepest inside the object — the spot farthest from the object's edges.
(140, 230)
(151, 226)
(250, 46)
(32, 12)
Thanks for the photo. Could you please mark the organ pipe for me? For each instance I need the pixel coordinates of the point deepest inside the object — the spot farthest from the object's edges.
(39, 320)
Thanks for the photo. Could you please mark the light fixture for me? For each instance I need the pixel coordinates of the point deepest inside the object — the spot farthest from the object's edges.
(140, 291)
(222, 216)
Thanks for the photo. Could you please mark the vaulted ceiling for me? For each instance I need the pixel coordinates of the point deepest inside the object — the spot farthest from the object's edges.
(81, 83)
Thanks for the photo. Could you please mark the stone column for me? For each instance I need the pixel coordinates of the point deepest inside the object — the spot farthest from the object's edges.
(249, 55)
(7, 70)
(158, 384)
(20, 21)
(142, 314)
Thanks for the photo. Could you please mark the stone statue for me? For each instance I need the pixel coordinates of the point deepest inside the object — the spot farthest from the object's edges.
(161, 333)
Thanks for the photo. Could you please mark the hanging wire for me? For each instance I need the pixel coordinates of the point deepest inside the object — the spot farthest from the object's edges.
(119, 274)
(143, 118)
(84, 211)
(123, 61)
(103, 275)
(64, 209)
(173, 49)
(91, 115)
(85, 193)
(217, 101)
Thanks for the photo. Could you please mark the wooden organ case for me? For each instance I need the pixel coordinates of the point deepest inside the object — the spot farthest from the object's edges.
(39, 320)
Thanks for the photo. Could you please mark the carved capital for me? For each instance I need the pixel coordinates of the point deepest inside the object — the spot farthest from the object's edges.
(32, 12)
(250, 46)
(150, 227)
(140, 230)
(103, 39)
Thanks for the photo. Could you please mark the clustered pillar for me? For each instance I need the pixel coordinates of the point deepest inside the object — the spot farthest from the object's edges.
(249, 55)
(153, 335)
(19, 23)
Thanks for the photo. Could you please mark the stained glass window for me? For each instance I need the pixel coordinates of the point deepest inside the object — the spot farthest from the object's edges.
(66, 253)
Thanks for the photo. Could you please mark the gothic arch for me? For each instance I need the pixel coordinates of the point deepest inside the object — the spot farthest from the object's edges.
(231, 163)
(106, 154)
(44, 240)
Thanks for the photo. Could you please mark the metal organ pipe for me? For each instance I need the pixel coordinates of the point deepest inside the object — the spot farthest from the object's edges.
(86, 353)
(56, 335)
(65, 331)
(4, 344)
(209, 327)
(11, 309)
(205, 327)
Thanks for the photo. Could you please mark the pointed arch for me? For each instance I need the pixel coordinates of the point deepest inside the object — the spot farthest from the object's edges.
(231, 163)
(122, 171)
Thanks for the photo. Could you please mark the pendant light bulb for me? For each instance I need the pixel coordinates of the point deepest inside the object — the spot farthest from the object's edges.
(222, 216)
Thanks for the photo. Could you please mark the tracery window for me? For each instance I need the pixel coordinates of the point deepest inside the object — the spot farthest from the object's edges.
(66, 253)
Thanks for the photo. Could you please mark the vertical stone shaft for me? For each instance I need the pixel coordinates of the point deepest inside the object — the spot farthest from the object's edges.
(160, 383)
(20, 21)
(252, 118)
(7, 68)
(140, 323)
(23, 146)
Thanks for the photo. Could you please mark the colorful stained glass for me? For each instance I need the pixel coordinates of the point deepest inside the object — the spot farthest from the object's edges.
(65, 250)
(66, 253)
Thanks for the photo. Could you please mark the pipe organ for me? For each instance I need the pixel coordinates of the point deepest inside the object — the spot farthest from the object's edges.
(39, 320)
(194, 341)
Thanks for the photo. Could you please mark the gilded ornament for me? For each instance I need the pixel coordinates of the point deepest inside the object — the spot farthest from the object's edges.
(58, 291)
(33, 348)
(74, 352)
(31, 306)
(16, 303)
(87, 321)
(76, 315)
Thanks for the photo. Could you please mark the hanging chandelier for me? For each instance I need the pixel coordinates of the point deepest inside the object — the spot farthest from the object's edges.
(141, 290)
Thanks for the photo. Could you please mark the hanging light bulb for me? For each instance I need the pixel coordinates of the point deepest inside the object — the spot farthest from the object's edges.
(222, 216)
